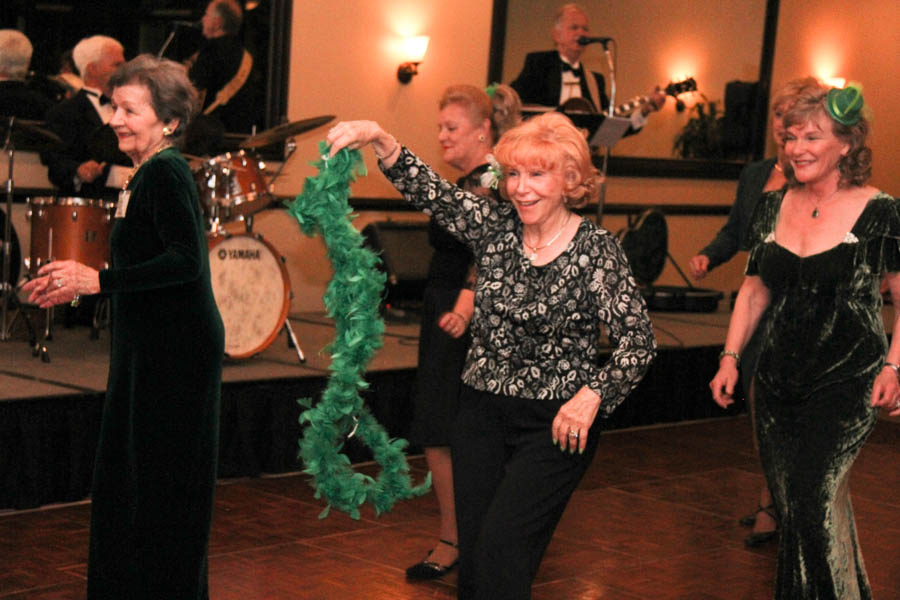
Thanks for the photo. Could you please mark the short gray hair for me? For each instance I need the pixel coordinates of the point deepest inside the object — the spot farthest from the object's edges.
(172, 95)
(231, 14)
(15, 53)
(91, 50)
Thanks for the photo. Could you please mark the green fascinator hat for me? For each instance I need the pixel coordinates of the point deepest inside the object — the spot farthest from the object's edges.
(845, 105)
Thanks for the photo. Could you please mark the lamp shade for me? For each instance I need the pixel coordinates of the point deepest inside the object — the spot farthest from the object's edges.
(414, 48)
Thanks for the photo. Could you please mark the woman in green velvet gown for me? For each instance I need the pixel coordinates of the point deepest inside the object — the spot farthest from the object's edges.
(819, 252)
(155, 468)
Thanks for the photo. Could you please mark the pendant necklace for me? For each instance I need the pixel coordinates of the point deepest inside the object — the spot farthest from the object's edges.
(534, 249)
(815, 212)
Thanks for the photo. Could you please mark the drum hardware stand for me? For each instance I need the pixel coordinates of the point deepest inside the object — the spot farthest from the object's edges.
(290, 145)
(8, 295)
(292, 339)
(601, 195)
(100, 319)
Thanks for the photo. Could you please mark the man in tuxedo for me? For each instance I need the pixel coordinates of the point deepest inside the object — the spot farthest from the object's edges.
(553, 77)
(89, 163)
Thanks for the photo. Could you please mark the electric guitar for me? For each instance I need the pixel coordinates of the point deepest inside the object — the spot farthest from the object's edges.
(583, 105)
(673, 89)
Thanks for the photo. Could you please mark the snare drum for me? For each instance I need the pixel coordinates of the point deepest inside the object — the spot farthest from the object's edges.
(232, 186)
(252, 290)
(70, 229)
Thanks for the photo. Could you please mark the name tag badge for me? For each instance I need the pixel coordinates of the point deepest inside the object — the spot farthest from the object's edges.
(122, 205)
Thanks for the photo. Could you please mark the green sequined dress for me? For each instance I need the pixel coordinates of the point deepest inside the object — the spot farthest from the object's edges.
(823, 344)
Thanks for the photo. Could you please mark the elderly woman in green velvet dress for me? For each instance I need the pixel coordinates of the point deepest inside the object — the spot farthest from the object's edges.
(155, 469)
(820, 249)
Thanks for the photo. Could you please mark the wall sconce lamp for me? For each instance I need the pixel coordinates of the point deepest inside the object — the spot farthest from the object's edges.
(414, 48)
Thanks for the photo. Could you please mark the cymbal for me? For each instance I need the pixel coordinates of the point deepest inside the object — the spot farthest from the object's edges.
(283, 132)
(28, 135)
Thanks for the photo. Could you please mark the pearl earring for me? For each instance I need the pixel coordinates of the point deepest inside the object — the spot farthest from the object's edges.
(166, 131)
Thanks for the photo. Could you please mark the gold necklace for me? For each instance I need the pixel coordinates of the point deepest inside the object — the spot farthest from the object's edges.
(534, 249)
(138, 166)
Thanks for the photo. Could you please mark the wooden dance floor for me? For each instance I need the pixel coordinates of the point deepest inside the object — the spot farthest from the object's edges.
(655, 517)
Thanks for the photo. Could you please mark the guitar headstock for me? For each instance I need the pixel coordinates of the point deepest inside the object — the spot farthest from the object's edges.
(680, 87)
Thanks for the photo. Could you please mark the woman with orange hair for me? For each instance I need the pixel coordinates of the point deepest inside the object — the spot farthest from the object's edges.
(535, 378)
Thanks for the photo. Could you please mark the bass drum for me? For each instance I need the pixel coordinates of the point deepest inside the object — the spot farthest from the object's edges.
(252, 290)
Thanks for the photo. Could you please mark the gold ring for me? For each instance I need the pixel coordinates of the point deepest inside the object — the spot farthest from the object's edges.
(75, 301)
(573, 433)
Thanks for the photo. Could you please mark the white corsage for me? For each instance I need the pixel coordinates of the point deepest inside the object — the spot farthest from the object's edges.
(490, 179)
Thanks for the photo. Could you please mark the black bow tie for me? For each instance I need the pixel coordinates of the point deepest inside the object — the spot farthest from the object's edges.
(103, 98)
(579, 72)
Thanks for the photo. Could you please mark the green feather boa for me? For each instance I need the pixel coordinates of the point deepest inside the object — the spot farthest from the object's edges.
(352, 300)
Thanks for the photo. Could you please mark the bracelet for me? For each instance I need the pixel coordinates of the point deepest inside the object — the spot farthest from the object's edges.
(389, 154)
(734, 355)
(464, 320)
(894, 366)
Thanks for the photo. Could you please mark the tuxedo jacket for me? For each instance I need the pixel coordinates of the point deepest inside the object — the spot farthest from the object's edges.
(540, 81)
(18, 100)
(84, 137)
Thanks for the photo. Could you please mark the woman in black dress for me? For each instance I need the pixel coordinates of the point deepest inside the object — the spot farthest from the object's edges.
(757, 177)
(155, 469)
(470, 122)
(820, 249)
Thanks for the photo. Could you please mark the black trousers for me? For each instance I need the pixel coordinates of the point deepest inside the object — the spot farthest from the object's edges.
(511, 485)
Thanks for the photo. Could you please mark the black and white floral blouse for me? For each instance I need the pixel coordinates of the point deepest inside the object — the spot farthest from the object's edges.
(538, 330)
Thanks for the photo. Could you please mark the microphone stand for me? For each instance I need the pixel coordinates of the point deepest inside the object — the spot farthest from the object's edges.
(167, 42)
(601, 196)
(171, 36)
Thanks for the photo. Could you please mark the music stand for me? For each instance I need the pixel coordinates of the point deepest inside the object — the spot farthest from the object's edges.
(603, 131)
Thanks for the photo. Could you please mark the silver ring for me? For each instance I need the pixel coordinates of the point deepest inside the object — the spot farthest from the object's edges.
(59, 283)
(75, 301)
(896, 404)
(573, 433)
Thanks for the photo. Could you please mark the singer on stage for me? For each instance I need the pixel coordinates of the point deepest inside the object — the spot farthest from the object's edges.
(552, 77)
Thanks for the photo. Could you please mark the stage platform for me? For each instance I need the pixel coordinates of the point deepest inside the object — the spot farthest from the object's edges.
(50, 411)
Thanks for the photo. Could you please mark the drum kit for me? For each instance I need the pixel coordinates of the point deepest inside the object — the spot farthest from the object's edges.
(249, 278)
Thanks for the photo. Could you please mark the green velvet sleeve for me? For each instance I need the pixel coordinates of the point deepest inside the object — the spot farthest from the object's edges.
(164, 198)
(886, 234)
(761, 225)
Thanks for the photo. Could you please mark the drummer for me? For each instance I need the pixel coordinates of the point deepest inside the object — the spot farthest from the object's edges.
(89, 164)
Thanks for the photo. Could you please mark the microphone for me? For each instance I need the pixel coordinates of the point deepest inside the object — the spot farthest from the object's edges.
(584, 41)
(189, 24)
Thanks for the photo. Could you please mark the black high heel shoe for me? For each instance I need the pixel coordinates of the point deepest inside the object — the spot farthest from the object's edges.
(759, 538)
(427, 569)
(750, 520)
